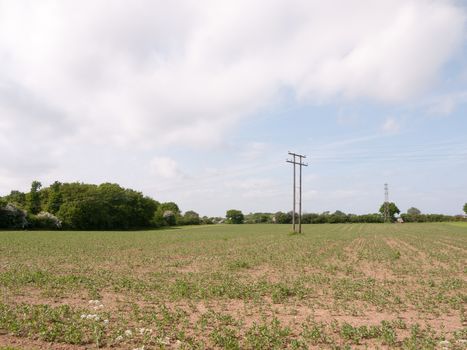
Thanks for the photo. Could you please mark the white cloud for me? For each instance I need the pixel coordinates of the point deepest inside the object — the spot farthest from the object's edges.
(254, 150)
(165, 167)
(259, 188)
(86, 86)
(445, 105)
(157, 73)
(391, 125)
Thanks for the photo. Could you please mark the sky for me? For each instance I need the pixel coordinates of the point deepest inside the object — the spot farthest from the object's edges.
(199, 102)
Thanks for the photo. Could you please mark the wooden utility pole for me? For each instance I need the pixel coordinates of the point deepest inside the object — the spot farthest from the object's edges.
(300, 164)
(294, 197)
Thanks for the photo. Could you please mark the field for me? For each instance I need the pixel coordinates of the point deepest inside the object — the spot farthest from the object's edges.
(236, 287)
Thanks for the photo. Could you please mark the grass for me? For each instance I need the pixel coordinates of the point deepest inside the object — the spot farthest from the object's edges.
(237, 287)
(459, 224)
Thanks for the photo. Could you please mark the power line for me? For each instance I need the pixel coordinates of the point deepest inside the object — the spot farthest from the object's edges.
(446, 151)
(300, 164)
(441, 151)
(374, 158)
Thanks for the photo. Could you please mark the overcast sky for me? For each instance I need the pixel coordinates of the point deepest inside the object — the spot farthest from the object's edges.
(199, 101)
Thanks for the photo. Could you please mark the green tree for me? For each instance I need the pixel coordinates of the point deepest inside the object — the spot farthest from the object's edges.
(258, 218)
(33, 198)
(170, 206)
(465, 208)
(392, 208)
(235, 216)
(311, 218)
(337, 217)
(11, 216)
(17, 198)
(54, 198)
(157, 220)
(170, 218)
(191, 218)
(170, 214)
(284, 218)
(107, 206)
(413, 211)
(206, 221)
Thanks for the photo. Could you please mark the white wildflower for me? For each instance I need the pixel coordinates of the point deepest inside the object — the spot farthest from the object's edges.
(143, 331)
(106, 322)
(164, 341)
(128, 333)
(91, 317)
(119, 339)
(444, 343)
(97, 304)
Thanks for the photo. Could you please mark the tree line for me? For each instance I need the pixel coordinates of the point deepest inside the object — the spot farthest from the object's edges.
(108, 206)
(80, 206)
(339, 217)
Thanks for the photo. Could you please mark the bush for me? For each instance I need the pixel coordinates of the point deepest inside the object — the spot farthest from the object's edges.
(259, 218)
(169, 218)
(12, 217)
(282, 218)
(44, 220)
(158, 219)
(234, 216)
(190, 218)
(206, 221)
(429, 218)
(107, 206)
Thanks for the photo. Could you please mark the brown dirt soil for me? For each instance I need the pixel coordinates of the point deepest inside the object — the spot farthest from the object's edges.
(249, 313)
(288, 314)
(30, 344)
(34, 296)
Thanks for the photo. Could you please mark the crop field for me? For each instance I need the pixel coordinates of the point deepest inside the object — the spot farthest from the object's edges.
(350, 286)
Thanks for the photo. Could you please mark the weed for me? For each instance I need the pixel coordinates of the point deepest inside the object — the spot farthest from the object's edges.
(238, 286)
(226, 338)
(267, 336)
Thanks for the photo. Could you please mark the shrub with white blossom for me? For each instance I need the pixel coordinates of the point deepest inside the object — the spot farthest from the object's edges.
(45, 220)
(11, 216)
